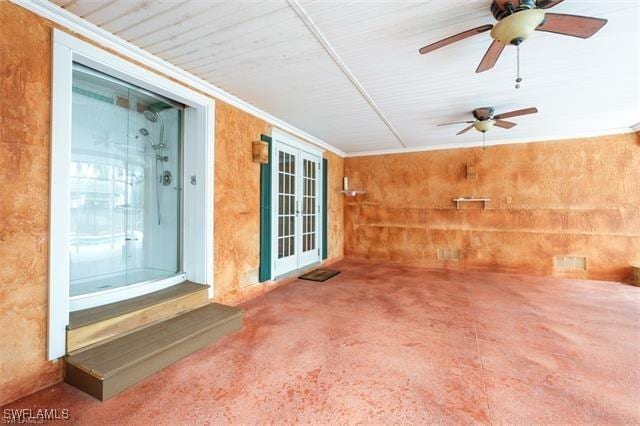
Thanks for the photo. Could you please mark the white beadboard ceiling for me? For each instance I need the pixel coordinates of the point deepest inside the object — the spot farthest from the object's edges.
(349, 72)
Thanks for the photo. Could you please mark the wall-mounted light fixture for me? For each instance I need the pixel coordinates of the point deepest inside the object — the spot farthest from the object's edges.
(470, 171)
(260, 152)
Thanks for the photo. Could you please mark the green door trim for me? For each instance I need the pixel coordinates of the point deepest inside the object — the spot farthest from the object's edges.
(265, 216)
(325, 201)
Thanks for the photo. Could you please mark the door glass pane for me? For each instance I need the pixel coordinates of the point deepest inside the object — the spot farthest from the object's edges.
(286, 204)
(125, 223)
(309, 205)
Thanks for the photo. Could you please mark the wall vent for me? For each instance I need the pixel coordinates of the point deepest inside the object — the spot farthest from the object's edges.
(570, 263)
(449, 254)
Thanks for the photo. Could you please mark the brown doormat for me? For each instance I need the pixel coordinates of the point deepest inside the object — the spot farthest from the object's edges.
(319, 274)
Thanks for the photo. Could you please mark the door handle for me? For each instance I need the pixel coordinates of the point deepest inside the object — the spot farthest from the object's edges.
(297, 207)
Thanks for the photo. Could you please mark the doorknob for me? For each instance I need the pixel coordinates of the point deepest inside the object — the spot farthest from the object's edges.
(297, 207)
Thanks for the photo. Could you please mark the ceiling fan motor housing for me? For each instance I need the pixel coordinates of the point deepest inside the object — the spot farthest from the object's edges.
(501, 10)
(484, 113)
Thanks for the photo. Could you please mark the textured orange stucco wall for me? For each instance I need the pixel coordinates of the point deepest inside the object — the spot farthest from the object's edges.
(25, 85)
(237, 203)
(335, 207)
(578, 197)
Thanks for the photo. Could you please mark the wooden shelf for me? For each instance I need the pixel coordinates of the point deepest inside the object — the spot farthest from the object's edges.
(459, 200)
(353, 192)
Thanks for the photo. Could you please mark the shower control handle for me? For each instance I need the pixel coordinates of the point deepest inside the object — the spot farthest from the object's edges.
(166, 178)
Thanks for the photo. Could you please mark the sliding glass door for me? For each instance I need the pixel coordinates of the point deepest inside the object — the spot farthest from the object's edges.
(125, 185)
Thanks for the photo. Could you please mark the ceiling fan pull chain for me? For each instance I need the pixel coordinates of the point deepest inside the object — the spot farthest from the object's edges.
(484, 136)
(518, 79)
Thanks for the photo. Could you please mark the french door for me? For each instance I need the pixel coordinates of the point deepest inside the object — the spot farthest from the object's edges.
(296, 181)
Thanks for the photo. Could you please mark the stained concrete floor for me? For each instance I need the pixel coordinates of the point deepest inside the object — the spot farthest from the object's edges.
(385, 343)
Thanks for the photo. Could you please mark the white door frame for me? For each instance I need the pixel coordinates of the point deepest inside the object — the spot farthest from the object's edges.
(199, 122)
(291, 143)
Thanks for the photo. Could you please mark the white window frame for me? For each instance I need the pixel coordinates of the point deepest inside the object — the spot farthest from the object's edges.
(279, 136)
(197, 235)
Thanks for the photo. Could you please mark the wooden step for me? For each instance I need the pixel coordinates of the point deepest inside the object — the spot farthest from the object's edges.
(94, 325)
(104, 370)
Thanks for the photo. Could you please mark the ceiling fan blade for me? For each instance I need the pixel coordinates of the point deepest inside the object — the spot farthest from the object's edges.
(516, 113)
(504, 124)
(456, 122)
(571, 25)
(447, 41)
(491, 57)
(547, 4)
(465, 130)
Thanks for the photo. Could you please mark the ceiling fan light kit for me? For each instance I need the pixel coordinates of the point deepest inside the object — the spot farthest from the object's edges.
(484, 125)
(516, 28)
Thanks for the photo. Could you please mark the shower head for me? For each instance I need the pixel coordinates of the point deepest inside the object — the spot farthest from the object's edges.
(154, 117)
(144, 132)
(151, 116)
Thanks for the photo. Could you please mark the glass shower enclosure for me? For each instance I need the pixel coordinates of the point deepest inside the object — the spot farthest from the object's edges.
(125, 196)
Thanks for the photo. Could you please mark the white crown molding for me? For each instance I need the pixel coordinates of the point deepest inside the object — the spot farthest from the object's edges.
(555, 138)
(103, 37)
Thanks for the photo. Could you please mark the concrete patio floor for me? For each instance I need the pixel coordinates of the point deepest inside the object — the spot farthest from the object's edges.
(383, 343)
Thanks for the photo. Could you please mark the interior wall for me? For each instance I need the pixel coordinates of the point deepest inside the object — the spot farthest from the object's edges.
(335, 207)
(576, 197)
(25, 84)
(237, 206)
